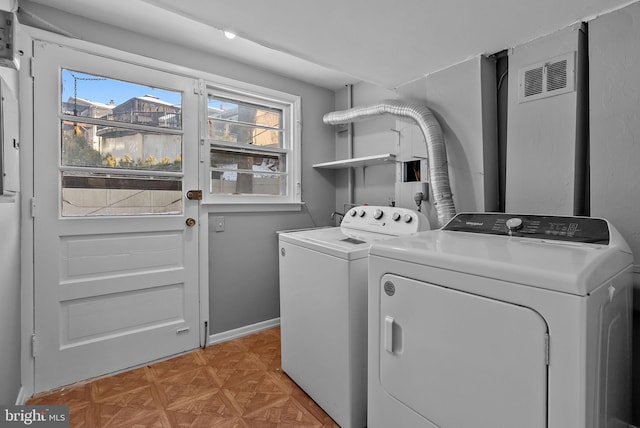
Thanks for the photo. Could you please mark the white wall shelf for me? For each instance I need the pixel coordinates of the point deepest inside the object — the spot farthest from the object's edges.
(358, 162)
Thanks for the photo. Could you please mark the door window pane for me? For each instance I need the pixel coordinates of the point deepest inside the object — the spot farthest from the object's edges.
(91, 145)
(92, 194)
(125, 127)
(99, 97)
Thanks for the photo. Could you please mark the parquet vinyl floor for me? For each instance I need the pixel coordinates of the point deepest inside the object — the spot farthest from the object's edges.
(238, 383)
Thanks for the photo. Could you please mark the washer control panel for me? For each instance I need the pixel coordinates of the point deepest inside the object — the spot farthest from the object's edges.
(573, 229)
(383, 219)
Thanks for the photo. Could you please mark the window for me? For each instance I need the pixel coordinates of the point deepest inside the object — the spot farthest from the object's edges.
(252, 147)
(121, 147)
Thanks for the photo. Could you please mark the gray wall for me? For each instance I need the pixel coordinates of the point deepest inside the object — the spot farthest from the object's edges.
(9, 302)
(9, 282)
(243, 266)
(614, 67)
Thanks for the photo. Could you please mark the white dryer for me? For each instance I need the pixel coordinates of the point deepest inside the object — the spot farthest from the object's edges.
(501, 321)
(323, 306)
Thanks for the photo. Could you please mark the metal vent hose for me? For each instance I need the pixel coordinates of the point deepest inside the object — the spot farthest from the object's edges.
(436, 150)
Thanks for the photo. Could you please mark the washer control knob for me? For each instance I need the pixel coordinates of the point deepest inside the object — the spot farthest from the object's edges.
(353, 213)
(514, 224)
(407, 218)
(362, 213)
(378, 214)
(396, 216)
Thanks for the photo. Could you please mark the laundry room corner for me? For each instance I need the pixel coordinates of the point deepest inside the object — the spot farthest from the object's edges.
(462, 98)
(411, 214)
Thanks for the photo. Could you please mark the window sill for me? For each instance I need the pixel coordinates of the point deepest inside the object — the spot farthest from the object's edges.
(240, 207)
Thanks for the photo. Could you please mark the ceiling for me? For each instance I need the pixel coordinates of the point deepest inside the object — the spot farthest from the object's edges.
(331, 43)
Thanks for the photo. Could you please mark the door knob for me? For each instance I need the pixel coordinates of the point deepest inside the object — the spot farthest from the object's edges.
(191, 222)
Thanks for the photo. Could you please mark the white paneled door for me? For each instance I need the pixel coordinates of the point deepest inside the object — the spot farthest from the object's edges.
(116, 250)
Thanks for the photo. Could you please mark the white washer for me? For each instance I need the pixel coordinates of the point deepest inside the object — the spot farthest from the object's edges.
(323, 306)
(501, 320)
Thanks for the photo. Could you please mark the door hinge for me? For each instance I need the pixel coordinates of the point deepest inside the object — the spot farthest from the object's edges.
(198, 87)
(546, 348)
(34, 348)
(33, 207)
(31, 66)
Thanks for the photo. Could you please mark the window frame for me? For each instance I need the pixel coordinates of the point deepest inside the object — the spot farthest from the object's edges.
(291, 148)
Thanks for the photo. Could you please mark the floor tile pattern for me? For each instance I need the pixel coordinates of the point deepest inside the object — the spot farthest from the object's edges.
(233, 384)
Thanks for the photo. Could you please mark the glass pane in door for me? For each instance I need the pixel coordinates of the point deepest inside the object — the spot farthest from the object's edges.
(100, 97)
(91, 145)
(95, 194)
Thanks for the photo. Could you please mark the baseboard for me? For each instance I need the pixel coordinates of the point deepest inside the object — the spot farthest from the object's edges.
(242, 331)
(22, 397)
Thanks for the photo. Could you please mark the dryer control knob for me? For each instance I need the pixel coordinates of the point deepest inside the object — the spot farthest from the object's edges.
(353, 213)
(514, 224)
(378, 214)
(407, 218)
(396, 216)
(362, 213)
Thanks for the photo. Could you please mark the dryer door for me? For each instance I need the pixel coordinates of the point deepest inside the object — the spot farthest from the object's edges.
(462, 360)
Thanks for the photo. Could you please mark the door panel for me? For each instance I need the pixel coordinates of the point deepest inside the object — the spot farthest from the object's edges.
(461, 360)
(113, 254)
(115, 284)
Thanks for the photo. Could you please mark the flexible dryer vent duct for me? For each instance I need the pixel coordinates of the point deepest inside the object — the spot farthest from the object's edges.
(436, 150)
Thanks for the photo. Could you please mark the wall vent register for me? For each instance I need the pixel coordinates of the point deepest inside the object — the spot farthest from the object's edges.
(551, 77)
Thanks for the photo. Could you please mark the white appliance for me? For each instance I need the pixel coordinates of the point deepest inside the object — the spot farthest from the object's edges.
(501, 320)
(323, 306)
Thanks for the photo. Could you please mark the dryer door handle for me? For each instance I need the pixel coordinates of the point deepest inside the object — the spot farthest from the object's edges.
(388, 333)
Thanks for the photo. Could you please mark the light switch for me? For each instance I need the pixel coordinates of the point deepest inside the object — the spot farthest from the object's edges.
(219, 223)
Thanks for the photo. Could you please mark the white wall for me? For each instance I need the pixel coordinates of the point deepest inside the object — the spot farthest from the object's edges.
(614, 67)
(541, 135)
(463, 97)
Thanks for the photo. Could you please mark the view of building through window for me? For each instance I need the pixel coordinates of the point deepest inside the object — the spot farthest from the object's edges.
(109, 124)
(247, 148)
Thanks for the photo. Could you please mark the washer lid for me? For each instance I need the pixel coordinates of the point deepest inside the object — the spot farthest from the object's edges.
(330, 241)
(569, 267)
(361, 226)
